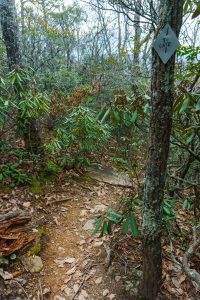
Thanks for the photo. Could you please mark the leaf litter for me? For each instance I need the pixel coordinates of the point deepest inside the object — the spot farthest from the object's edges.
(74, 261)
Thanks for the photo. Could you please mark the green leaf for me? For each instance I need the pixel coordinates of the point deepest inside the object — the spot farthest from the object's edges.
(3, 261)
(134, 117)
(104, 229)
(126, 226)
(134, 227)
(98, 226)
(146, 108)
(105, 117)
(113, 213)
(101, 114)
(178, 103)
(191, 137)
(116, 116)
(166, 211)
(197, 108)
(1, 176)
(13, 256)
(185, 105)
(109, 227)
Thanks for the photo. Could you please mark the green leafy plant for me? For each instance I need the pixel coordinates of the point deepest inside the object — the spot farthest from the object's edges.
(77, 137)
(10, 172)
(169, 212)
(5, 261)
(105, 222)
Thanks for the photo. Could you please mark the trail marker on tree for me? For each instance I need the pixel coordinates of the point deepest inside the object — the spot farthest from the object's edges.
(166, 43)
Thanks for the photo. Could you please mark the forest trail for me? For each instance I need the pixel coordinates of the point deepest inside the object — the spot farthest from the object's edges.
(74, 259)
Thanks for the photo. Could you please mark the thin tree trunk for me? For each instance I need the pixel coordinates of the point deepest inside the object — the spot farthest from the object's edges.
(162, 98)
(137, 37)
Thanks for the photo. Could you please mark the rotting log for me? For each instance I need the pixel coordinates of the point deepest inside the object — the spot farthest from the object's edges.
(14, 234)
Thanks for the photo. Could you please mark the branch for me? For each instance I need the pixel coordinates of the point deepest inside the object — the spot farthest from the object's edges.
(191, 273)
(183, 146)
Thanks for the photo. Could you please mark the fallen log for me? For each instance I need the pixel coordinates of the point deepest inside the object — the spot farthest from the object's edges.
(13, 232)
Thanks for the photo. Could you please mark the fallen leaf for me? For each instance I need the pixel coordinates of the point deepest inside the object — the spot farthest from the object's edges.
(68, 279)
(84, 293)
(105, 292)
(26, 204)
(46, 291)
(98, 244)
(71, 271)
(76, 288)
(58, 297)
(98, 280)
(67, 260)
(68, 291)
(111, 296)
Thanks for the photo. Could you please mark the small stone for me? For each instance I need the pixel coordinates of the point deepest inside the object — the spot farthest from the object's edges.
(33, 263)
(105, 293)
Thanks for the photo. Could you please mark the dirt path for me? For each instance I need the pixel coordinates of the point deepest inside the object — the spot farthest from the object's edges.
(74, 260)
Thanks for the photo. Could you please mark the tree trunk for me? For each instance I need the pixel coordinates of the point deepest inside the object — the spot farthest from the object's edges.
(137, 37)
(10, 32)
(162, 98)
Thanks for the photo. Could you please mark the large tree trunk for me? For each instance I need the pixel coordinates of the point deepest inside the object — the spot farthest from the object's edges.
(162, 98)
(10, 31)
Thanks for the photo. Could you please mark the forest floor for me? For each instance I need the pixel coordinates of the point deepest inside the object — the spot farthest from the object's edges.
(74, 261)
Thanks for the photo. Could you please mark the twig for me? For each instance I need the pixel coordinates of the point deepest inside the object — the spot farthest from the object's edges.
(41, 293)
(79, 288)
(173, 258)
(191, 273)
(27, 296)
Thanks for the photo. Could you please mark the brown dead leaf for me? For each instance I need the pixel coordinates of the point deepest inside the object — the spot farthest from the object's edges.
(71, 271)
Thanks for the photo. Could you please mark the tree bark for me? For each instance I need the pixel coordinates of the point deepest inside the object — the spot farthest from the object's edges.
(10, 32)
(162, 98)
(137, 38)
